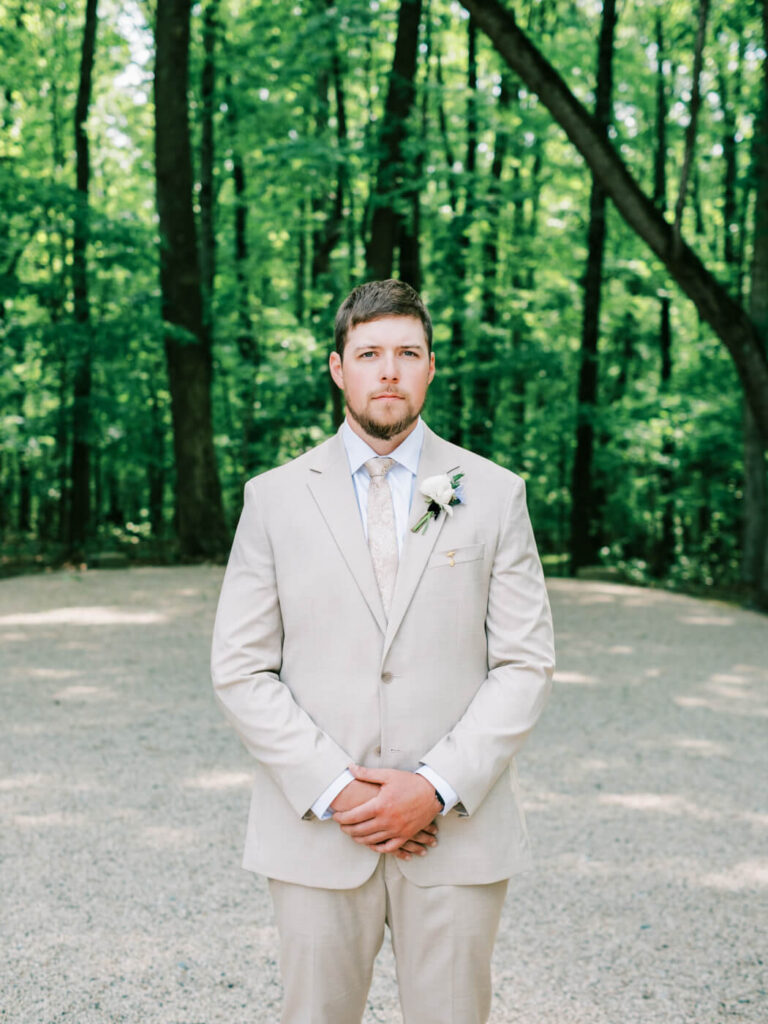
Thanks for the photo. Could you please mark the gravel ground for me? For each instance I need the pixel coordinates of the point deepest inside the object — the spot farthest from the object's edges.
(125, 794)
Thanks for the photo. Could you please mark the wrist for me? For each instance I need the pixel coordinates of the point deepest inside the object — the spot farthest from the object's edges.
(435, 795)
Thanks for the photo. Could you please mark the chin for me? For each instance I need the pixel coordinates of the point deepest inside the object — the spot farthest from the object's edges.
(385, 428)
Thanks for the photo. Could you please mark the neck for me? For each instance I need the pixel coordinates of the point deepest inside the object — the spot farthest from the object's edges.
(380, 445)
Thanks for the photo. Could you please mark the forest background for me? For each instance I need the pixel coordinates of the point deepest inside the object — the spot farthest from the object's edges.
(187, 191)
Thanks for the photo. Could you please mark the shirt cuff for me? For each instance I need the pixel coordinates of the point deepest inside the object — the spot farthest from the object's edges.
(445, 789)
(321, 808)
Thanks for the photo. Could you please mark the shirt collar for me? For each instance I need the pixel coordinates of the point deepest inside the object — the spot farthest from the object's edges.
(406, 454)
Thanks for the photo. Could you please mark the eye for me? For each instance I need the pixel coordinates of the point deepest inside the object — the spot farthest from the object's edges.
(411, 352)
(365, 355)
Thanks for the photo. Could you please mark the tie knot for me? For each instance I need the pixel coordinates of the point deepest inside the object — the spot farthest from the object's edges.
(378, 468)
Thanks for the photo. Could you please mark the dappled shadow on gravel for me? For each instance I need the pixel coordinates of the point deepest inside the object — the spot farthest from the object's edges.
(126, 794)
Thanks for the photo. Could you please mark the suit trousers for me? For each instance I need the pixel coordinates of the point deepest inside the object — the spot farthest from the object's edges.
(442, 938)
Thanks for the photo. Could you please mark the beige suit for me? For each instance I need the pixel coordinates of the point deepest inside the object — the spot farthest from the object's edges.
(313, 676)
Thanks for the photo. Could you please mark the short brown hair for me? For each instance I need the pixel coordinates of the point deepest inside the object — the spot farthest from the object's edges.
(375, 300)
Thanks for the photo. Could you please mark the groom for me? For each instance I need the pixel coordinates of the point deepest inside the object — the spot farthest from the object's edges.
(384, 678)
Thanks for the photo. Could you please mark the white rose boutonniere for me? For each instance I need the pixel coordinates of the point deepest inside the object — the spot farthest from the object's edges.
(441, 493)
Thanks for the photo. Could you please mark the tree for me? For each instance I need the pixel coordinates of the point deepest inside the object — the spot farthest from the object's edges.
(583, 549)
(714, 303)
(388, 224)
(81, 440)
(199, 512)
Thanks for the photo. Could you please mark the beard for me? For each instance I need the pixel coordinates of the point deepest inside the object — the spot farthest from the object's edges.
(384, 430)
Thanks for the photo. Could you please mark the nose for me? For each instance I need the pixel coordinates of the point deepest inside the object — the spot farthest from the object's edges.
(389, 369)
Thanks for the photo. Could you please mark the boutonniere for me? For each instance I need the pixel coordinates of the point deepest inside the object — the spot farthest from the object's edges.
(441, 493)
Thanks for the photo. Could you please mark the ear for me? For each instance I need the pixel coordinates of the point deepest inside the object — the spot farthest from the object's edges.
(431, 367)
(337, 370)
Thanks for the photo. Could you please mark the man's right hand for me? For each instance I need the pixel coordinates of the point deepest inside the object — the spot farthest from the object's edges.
(357, 792)
(354, 793)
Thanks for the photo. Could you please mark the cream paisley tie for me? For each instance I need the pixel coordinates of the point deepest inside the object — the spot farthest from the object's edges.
(382, 535)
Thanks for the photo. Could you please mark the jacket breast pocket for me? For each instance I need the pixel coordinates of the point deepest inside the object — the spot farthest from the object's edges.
(450, 558)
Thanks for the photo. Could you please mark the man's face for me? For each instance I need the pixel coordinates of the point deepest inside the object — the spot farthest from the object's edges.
(384, 375)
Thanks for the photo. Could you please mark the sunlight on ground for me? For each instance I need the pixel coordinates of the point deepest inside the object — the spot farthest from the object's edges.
(219, 780)
(748, 874)
(75, 692)
(576, 678)
(99, 616)
(706, 620)
(666, 803)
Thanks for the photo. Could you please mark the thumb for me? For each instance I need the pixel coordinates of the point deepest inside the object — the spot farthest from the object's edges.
(377, 775)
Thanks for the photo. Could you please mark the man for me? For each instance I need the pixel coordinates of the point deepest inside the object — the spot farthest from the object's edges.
(384, 677)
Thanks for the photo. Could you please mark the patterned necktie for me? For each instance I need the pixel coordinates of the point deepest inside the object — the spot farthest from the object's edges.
(382, 535)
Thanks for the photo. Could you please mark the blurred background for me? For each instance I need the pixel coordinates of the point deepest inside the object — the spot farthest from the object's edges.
(187, 192)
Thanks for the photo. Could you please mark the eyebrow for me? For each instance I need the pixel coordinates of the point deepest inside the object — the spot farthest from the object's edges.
(364, 347)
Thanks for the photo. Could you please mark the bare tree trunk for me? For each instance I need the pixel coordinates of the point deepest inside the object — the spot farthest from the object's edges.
(80, 472)
(247, 339)
(663, 551)
(483, 391)
(199, 513)
(583, 511)
(329, 210)
(207, 159)
(690, 131)
(459, 237)
(755, 539)
(714, 303)
(393, 172)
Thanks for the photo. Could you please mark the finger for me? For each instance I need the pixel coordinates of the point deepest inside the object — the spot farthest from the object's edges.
(401, 855)
(368, 829)
(425, 839)
(413, 847)
(375, 840)
(377, 775)
(356, 815)
(390, 845)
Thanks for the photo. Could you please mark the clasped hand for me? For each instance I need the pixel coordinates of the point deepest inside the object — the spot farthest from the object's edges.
(394, 813)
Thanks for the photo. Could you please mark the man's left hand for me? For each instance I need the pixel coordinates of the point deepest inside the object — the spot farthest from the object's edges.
(404, 805)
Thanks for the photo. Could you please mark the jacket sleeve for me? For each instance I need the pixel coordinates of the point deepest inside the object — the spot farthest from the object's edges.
(521, 663)
(246, 659)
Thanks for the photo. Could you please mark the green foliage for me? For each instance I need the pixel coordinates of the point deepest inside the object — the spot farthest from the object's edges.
(277, 118)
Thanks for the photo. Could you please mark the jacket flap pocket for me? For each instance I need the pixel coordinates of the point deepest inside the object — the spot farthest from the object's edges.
(455, 556)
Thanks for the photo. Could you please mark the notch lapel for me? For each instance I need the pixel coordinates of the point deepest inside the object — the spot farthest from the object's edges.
(417, 547)
(330, 483)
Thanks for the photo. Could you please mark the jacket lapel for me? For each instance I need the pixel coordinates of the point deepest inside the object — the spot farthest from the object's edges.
(417, 547)
(332, 488)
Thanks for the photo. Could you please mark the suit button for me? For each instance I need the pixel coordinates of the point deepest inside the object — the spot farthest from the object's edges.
(386, 677)
(377, 751)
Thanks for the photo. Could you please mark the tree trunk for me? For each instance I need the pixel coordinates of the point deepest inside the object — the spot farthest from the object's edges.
(715, 305)
(663, 552)
(199, 513)
(329, 212)
(247, 339)
(207, 158)
(393, 172)
(459, 242)
(583, 547)
(80, 468)
(755, 552)
(483, 391)
(690, 130)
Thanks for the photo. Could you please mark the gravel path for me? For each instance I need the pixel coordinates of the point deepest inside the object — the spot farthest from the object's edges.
(124, 799)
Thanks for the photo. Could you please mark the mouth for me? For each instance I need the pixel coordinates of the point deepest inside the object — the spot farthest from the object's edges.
(388, 394)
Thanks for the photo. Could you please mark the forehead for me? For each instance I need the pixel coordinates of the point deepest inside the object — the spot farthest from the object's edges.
(388, 330)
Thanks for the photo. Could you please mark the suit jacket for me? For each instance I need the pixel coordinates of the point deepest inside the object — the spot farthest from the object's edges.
(313, 676)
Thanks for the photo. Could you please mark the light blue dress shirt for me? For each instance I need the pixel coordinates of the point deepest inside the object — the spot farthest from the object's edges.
(402, 480)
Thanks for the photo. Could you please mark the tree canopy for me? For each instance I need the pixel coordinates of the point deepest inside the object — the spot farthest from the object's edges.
(188, 192)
